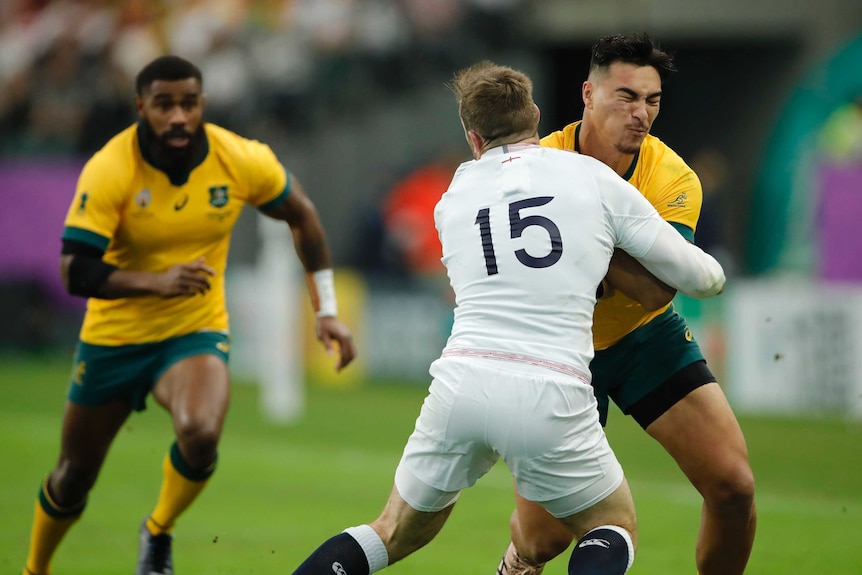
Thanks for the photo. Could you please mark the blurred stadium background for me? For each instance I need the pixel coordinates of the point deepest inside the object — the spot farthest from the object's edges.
(767, 108)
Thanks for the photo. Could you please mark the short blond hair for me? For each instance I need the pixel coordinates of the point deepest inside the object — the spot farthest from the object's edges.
(495, 101)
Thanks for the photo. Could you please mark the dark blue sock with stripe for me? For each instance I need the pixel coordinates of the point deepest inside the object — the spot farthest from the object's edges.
(339, 555)
(357, 551)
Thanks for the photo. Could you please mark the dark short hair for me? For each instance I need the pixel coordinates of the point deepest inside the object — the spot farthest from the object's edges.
(166, 68)
(638, 49)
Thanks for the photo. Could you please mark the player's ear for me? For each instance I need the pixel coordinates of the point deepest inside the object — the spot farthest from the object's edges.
(587, 92)
(139, 105)
(538, 113)
(476, 142)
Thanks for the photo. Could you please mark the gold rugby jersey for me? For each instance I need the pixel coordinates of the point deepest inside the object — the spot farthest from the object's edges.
(130, 209)
(674, 190)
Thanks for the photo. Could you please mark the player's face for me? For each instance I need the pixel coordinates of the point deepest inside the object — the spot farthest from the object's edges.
(174, 111)
(622, 104)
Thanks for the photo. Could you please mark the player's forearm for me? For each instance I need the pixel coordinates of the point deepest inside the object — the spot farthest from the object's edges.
(89, 276)
(627, 275)
(127, 283)
(683, 266)
(311, 247)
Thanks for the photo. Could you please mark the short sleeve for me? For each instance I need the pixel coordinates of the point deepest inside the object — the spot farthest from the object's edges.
(269, 181)
(679, 195)
(95, 212)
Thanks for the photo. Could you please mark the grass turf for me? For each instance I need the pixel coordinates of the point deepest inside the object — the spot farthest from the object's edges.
(280, 491)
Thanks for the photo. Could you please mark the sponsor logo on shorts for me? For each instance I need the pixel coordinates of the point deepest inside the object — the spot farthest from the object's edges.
(223, 347)
(78, 373)
(599, 542)
(338, 569)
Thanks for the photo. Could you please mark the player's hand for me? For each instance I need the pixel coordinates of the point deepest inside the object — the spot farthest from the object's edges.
(185, 279)
(331, 331)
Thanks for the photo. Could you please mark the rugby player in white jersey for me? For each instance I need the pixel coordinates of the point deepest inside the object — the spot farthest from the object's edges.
(527, 235)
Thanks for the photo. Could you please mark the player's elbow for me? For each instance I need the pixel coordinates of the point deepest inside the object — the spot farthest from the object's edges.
(65, 264)
(655, 299)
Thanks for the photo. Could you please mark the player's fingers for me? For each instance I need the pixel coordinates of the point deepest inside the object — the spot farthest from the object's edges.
(326, 339)
(196, 283)
(348, 351)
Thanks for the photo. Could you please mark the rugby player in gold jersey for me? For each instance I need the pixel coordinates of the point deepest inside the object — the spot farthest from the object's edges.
(146, 240)
(647, 359)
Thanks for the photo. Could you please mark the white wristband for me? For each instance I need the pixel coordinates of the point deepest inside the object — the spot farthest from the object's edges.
(321, 286)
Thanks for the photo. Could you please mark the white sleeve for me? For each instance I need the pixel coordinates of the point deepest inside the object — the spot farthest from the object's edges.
(642, 233)
(682, 265)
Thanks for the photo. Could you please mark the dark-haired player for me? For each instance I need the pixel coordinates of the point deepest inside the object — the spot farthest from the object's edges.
(146, 240)
(646, 359)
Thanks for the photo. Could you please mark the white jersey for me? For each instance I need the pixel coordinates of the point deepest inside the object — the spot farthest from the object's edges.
(527, 235)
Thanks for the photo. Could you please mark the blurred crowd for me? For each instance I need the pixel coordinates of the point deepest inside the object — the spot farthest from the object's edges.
(67, 66)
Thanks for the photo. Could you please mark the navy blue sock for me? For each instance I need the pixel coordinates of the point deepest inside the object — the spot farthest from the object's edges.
(606, 550)
(340, 555)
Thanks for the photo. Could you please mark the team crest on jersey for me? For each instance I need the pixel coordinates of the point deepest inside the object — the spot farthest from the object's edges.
(144, 198)
(679, 201)
(219, 196)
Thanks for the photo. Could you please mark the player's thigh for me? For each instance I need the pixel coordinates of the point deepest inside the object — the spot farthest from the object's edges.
(193, 383)
(652, 368)
(703, 435)
(88, 431)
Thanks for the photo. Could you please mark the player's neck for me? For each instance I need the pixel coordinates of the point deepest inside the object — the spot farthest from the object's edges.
(591, 144)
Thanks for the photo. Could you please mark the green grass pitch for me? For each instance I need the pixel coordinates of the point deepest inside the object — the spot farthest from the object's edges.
(280, 491)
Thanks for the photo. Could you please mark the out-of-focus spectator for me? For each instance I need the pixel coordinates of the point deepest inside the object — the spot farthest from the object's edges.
(270, 64)
(139, 35)
(58, 101)
(408, 215)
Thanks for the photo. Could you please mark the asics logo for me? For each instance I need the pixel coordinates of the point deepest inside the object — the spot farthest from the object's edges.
(180, 204)
(338, 569)
(599, 542)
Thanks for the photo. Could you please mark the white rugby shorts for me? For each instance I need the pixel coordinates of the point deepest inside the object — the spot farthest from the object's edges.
(544, 424)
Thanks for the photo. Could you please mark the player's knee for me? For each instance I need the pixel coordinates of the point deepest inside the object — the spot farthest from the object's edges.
(71, 481)
(198, 443)
(544, 545)
(733, 489)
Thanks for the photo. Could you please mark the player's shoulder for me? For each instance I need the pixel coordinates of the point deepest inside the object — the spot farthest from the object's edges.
(116, 158)
(235, 148)
(576, 160)
(561, 139)
(654, 151)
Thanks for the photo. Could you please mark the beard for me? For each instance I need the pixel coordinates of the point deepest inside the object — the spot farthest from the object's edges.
(170, 158)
